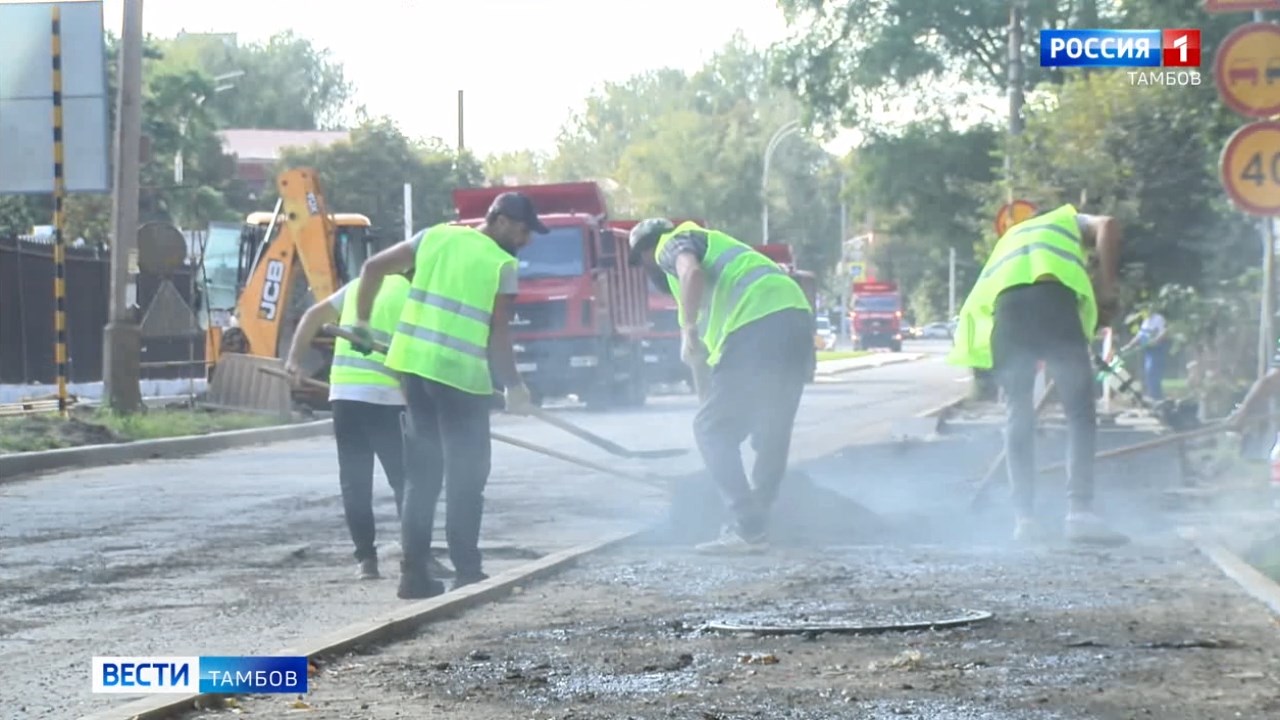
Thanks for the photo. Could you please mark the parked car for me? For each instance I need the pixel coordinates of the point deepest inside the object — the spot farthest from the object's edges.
(910, 332)
(936, 331)
(824, 337)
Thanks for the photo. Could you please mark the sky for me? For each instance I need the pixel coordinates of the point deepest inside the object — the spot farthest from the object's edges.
(524, 65)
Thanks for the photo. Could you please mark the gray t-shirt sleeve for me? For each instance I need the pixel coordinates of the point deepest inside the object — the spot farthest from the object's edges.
(509, 280)
(692, 242)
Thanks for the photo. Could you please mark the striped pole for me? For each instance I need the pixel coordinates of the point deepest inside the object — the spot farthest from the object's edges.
(59, 245)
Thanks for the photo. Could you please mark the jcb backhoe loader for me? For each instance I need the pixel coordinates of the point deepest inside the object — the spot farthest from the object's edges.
(284, 261)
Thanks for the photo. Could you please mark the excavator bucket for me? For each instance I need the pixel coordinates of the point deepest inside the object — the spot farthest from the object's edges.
(239, 384)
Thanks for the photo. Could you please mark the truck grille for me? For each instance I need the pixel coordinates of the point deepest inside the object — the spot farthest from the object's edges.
(540, 316)
(664, 321)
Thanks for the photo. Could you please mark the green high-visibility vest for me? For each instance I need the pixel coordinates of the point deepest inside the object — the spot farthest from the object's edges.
(743, 286)
(1047, 245)
(350, 368)
(443, 334)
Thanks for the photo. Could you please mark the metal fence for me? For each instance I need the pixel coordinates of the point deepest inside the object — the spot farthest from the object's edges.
(27, 335)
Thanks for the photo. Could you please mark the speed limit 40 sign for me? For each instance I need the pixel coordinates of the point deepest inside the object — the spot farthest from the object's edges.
(1250, 167)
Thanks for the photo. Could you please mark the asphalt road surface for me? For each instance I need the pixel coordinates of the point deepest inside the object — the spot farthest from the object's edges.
(244, 551)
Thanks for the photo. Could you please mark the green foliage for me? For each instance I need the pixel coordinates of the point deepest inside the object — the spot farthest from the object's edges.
(367, 175)
(924, 187)
(1103, 138)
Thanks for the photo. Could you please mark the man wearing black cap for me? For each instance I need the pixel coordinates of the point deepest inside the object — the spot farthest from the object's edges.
(454, 326)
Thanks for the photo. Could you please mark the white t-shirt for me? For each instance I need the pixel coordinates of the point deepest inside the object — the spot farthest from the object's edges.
(1152, 326)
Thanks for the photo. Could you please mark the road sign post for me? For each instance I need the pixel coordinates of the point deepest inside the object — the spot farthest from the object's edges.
(1246, 69)
(1012, 213)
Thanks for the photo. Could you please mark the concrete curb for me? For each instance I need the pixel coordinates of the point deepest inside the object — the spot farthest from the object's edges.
(15, 466)
(896, 359)
(386, 626)
(1259, 586)
(946, 407)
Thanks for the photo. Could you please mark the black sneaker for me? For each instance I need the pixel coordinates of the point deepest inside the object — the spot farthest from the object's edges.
(465, 579)
(416, 585)
(369, 569)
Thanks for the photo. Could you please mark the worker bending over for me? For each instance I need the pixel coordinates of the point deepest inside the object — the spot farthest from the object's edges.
(1036, 300)
(367, 403)
(454, 324)
(744, 317)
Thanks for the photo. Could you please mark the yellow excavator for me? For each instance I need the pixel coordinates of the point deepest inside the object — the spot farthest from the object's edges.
(283, 261)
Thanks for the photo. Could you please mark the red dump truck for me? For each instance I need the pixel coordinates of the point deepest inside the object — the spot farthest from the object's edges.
(875, 315)
(581, 313)
(662, 339)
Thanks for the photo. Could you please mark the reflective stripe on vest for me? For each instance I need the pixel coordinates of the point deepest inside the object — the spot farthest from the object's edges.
(743, 286)
(443, 333)
(1045, 246)
(352, 369)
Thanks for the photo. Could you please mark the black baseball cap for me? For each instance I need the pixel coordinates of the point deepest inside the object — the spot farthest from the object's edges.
(518, 207)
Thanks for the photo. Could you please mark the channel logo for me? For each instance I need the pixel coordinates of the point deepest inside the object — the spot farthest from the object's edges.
(1178, 48)
(234, 675)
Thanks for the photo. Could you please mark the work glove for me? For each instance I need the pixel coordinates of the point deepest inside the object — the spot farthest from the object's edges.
(519, 402)
(365, 335)
(692, 351)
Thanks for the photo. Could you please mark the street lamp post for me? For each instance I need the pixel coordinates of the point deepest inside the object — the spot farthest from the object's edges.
(778, 136)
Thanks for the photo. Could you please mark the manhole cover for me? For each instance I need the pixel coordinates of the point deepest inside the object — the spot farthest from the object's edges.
(890, 620)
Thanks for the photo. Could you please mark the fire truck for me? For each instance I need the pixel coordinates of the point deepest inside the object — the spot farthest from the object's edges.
(875, 315)
(580, 317)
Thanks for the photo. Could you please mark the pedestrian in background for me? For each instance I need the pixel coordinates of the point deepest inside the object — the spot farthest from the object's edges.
(1153, 338)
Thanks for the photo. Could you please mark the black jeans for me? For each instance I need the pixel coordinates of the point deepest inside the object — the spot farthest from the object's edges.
(1036, 323)
(447, 446)
(755, 392)
(363, 430)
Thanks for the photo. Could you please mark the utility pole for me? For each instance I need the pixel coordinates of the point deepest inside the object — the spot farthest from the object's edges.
(408, 211)
(461, 145)
(122, 337)
(951, 284)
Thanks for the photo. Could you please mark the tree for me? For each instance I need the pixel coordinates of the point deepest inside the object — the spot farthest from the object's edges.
(524, 167)
(1101, 137)
(287, 83)
(679, 145)
(924, 187)
(367, 174)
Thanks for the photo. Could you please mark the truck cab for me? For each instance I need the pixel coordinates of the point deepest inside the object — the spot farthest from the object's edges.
(581, 312)
(875, 315)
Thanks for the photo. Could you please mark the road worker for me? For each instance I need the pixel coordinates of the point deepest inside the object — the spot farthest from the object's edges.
(454, 325)
(1038, 300)
(746, 319)
(367, 404)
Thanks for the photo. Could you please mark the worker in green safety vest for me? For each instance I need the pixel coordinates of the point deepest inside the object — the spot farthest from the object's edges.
(1037, 300)
(454, 326)
(751, 323)
(366, 401)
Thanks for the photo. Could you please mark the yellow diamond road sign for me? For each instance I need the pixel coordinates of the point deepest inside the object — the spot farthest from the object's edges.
(1250, 167)
(1246, 70)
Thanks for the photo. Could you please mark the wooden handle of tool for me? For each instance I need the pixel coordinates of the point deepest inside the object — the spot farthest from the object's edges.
(345, 334)
(701, 380)
(277, 372)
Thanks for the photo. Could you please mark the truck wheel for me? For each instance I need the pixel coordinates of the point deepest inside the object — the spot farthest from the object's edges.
(896, 346)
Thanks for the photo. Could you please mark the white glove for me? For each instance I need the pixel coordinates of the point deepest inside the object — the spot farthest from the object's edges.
(518, 400)
(692, 350)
